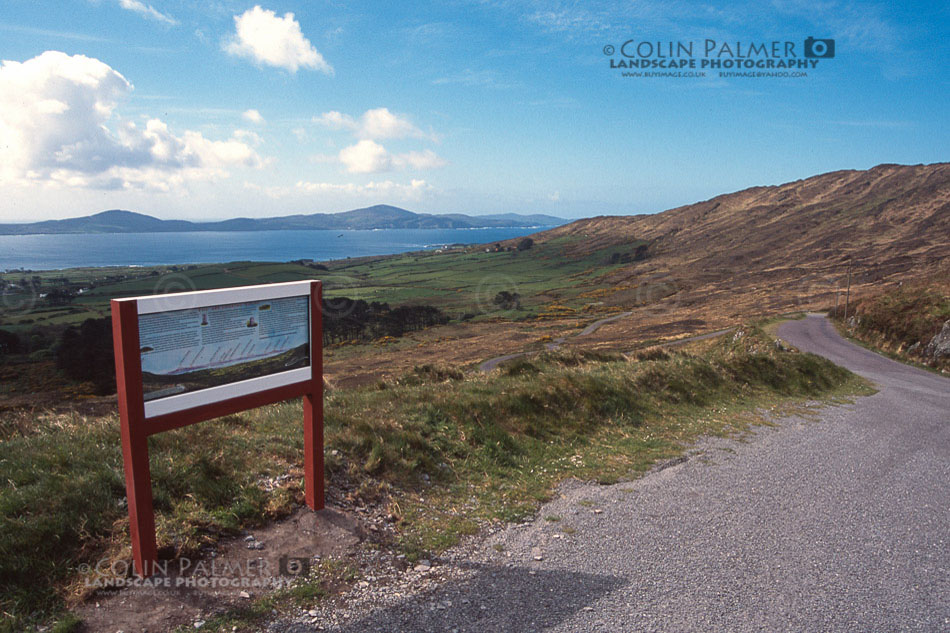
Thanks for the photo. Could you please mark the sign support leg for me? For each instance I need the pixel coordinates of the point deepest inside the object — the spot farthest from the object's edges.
(138, 484)
(313, 406)
(313, 450)
(138, 479)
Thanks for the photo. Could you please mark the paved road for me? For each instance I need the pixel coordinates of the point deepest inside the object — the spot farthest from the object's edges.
(839, 524)
(593, 327)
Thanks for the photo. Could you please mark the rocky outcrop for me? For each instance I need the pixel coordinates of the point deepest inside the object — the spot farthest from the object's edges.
(939, 345)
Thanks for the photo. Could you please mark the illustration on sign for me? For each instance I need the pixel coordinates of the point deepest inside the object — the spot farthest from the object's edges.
(189, 350)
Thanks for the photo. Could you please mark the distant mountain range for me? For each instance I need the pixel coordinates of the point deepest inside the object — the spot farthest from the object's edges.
(380, 216)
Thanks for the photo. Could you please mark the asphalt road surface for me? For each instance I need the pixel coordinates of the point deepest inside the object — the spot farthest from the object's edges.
(838, 521)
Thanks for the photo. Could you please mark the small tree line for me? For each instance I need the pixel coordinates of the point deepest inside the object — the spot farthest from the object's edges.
(357, 320)
(84, 353)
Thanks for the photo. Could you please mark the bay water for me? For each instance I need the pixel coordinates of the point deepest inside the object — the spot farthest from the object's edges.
(49, 252)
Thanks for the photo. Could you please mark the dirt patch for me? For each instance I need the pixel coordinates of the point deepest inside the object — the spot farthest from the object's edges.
(229, 576)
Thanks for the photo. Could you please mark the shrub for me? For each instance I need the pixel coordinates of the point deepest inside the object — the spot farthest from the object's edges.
(507, 300)
(85, 354)
(10, 343)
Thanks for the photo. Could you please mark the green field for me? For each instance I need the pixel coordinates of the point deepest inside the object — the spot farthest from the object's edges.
(461, 283)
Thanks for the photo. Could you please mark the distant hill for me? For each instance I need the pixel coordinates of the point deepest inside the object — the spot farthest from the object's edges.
(510, 219)
(887, 210)
(780, 247)
(380, 216)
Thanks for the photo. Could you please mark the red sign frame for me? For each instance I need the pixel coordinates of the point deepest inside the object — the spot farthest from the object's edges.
(136, 427)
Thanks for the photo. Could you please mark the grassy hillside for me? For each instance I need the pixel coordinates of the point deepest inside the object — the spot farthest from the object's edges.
(508, 436)
(479, 448)
(764, 248)
(902, 320)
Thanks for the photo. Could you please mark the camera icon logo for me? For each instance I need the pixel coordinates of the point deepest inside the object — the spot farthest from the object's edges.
(819, 49)
(294, 566)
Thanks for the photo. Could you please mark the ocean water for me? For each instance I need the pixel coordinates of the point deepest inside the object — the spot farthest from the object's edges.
(47, 252)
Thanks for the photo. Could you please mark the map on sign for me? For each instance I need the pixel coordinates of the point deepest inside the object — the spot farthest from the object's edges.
(189, 350)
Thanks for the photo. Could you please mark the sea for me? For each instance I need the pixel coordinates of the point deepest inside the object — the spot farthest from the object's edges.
(52, 252)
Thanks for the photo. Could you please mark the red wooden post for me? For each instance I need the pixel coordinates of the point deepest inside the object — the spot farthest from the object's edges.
(313, 406)
(138, 479)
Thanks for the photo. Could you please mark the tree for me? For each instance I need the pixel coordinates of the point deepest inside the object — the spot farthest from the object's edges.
(525, 244)
(85, 354)
(59, 296)
(347, 319)
(10, 343)
(507, 300)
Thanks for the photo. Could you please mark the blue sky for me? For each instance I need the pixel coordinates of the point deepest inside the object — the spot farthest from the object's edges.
(218, 109)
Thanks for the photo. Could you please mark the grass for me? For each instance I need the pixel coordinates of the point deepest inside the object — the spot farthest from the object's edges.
(894, 320)
(451, 452)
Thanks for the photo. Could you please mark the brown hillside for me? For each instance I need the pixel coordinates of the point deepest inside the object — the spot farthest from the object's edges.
(716, 264)
(834, 214)
(786, 245)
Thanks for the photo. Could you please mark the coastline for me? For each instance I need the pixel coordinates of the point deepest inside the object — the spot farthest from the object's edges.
(65, 251)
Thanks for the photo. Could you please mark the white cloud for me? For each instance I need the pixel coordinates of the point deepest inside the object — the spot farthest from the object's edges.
(386, 188)
(560, 21)
(369, 157)
(469, 77)
(381, 123)
(253, 116)
(147, 11)
(366, 157)
(248, 136)
(378, 123)
(57, 127)
(336, 121)
(267, 39)
(324, 158)
(345, 193)
(426, 159)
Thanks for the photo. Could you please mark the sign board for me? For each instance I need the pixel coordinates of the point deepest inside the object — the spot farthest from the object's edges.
(192, 356)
